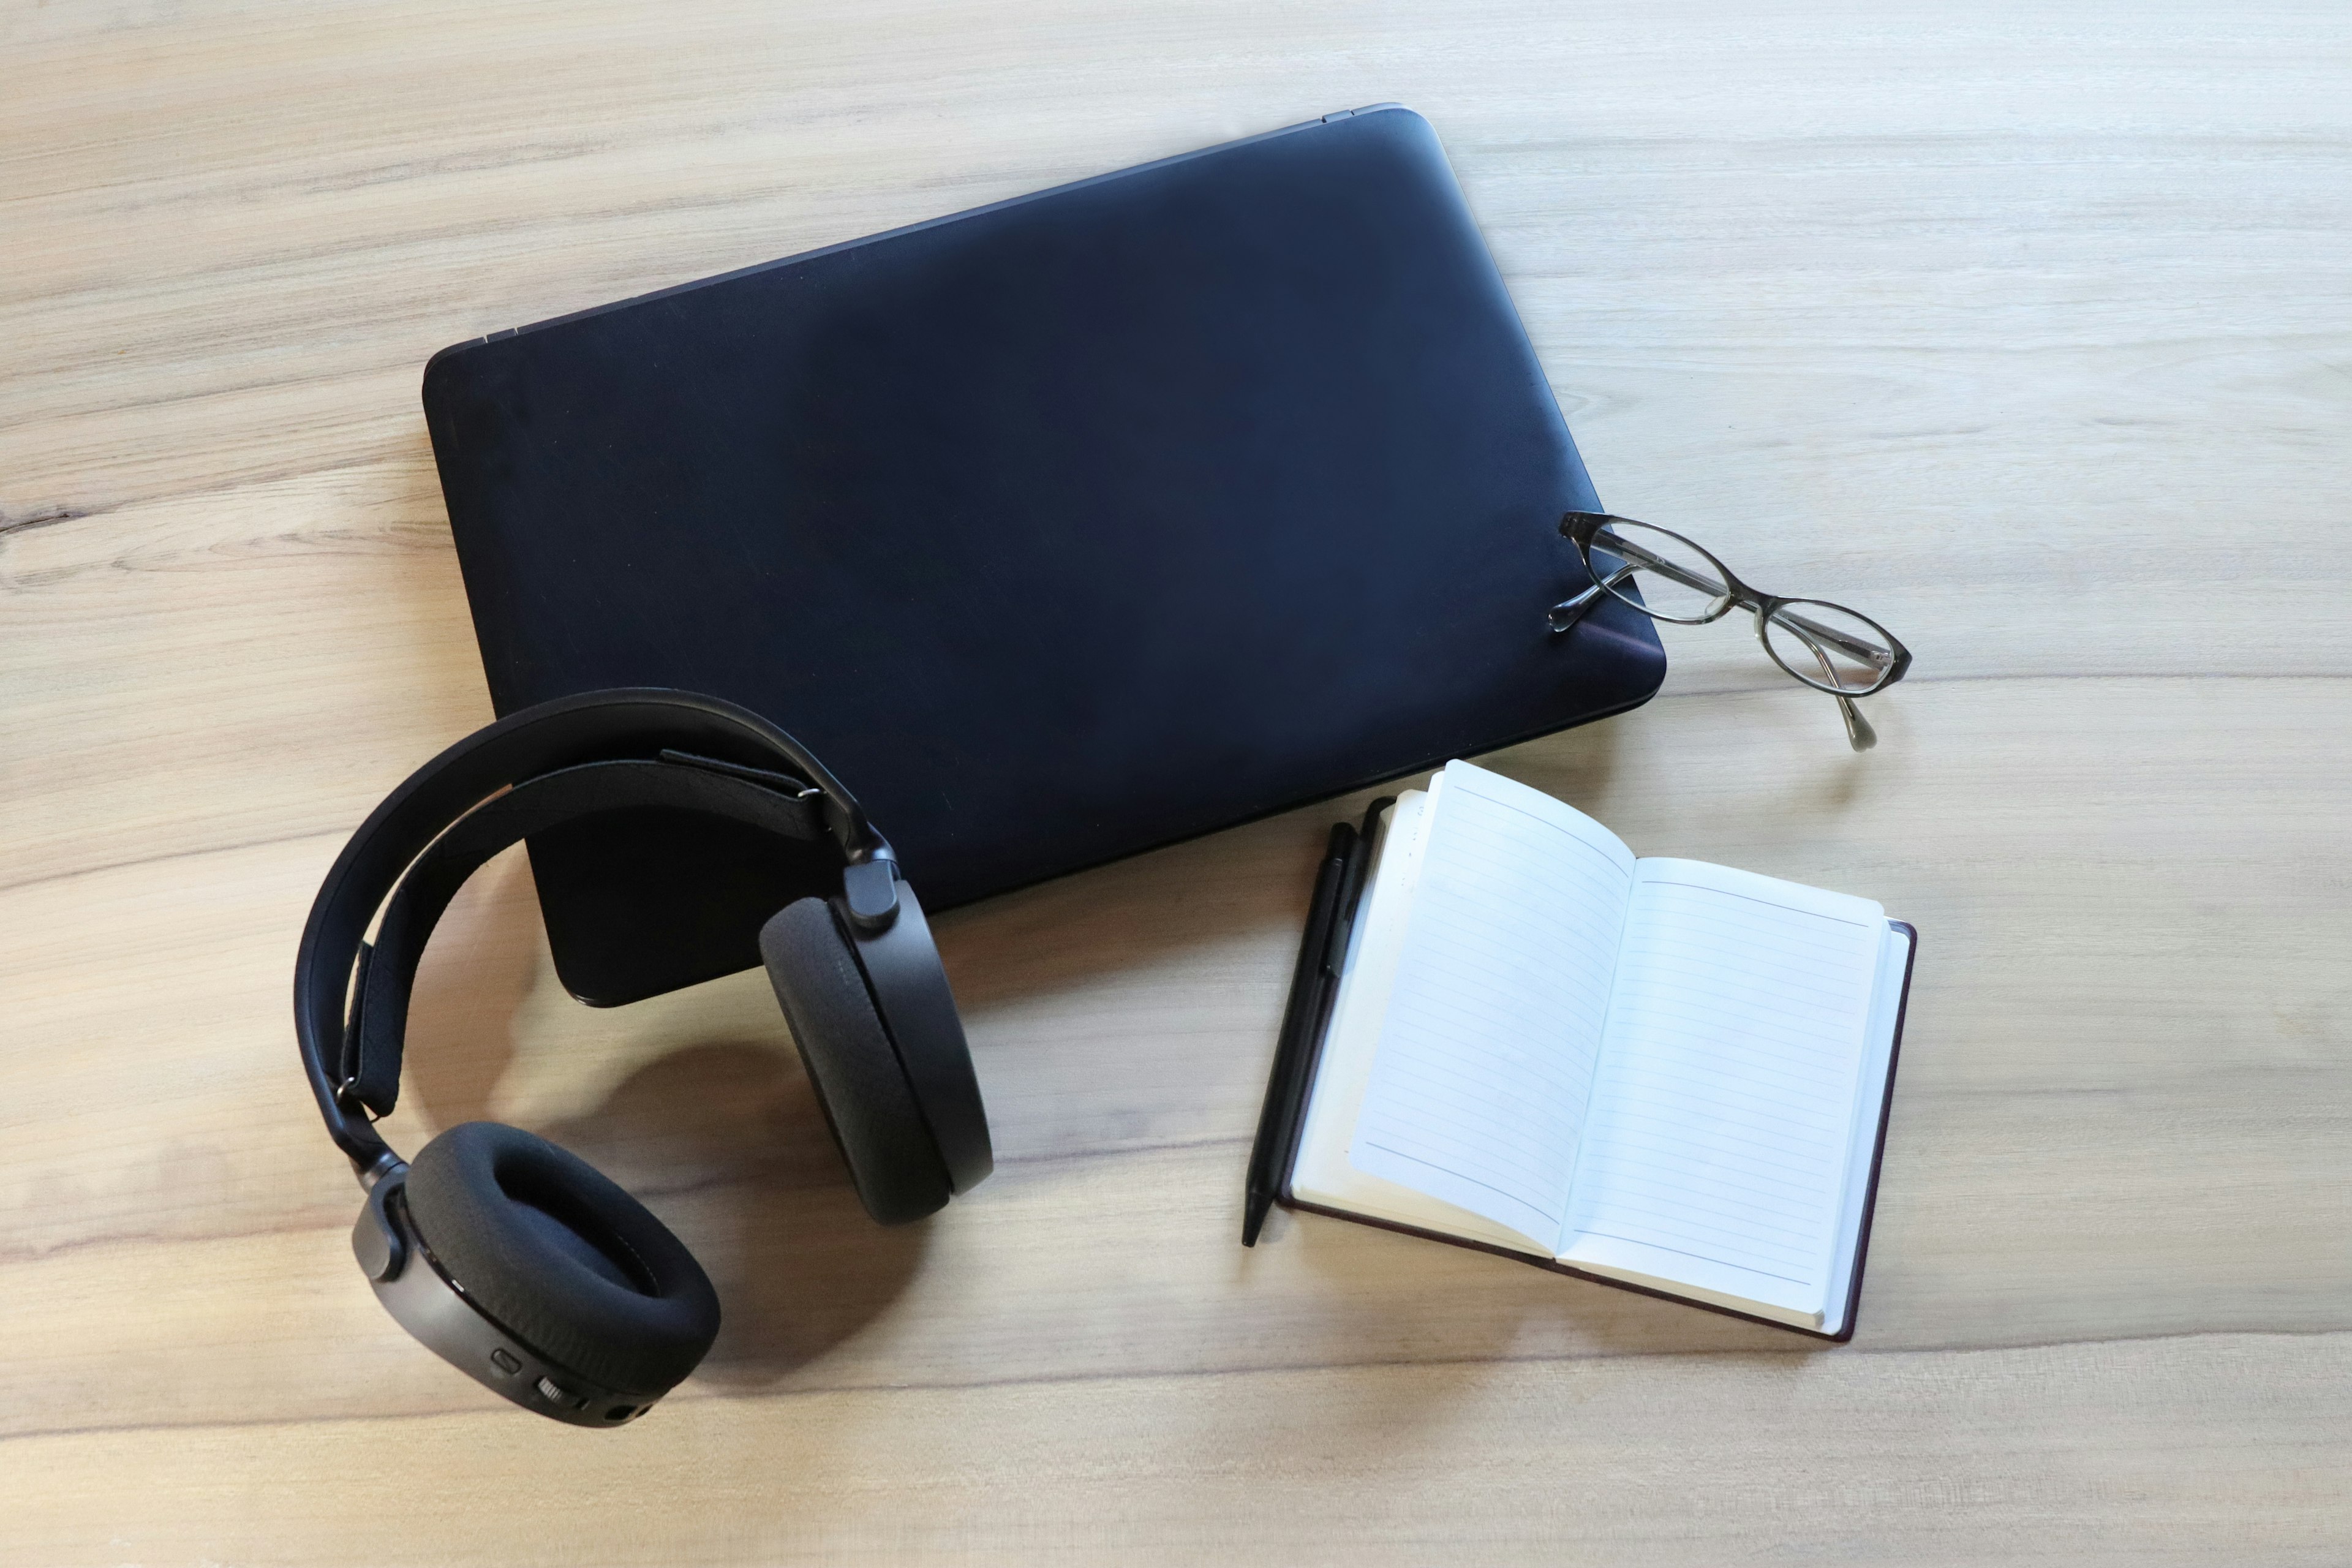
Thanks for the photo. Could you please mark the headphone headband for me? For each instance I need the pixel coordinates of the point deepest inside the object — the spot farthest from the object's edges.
(638, 723)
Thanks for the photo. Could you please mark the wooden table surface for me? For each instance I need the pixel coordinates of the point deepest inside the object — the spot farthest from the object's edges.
(2028, 328)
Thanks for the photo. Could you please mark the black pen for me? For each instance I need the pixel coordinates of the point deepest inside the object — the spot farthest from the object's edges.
(1308, 980)
(1314, 990)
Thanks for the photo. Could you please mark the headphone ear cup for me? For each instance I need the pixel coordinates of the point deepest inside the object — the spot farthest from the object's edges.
(852, 1066)
(554, 1251)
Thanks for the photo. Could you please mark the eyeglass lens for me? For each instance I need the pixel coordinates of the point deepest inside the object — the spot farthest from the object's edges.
(1826, 645)
(1672, 578)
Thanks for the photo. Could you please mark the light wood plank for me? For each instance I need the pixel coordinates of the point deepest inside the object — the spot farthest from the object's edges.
(2025, 329)
(2168, 1451)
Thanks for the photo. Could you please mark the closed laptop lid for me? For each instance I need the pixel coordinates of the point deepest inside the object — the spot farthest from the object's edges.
(1061, 528)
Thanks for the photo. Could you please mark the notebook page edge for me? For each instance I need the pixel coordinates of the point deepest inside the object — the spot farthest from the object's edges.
(1795, 895)
(1870, 1099)
(1669, 1285)
(1535, 802)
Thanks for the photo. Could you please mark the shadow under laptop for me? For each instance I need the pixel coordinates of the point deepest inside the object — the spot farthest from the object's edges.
(1137, 1005)
(1241, 883)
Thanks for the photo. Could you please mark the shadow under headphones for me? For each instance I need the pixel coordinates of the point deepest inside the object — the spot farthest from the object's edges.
(517, 1261)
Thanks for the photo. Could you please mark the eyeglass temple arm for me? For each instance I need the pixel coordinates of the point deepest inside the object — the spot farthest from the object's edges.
(1853, 648)
(1858, 733)
(1565, 615)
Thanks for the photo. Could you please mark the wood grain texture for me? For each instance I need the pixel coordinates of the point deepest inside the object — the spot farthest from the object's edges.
(2027, 328)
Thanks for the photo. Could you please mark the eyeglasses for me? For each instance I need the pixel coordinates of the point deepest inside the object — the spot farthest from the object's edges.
(1828, 646)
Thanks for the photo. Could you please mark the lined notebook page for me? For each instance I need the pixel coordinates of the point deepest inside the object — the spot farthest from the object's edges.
(1722, 1111)
(1486, 1052)
(1344, 1066)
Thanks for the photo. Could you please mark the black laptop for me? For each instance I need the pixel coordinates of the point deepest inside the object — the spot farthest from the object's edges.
(1061, 528)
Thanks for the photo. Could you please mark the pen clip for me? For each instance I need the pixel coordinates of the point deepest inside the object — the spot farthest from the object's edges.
(1351, 890)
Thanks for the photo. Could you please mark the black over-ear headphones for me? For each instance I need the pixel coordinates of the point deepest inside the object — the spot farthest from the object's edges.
(515, 1260)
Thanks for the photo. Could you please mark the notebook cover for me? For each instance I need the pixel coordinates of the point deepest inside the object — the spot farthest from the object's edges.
(1861, 1239)
(1061, 530)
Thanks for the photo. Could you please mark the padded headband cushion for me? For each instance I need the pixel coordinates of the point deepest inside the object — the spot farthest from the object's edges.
(371, 1051)
(572, 1265)
(852, 1066)
(551, 736)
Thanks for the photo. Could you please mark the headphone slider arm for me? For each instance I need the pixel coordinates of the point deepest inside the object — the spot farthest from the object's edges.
(871, 890)
(376, 1240)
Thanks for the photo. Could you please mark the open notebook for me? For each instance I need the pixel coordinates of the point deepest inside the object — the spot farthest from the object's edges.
(1656, 1072)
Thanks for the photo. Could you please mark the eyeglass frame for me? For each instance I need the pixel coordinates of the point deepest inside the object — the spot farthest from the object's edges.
(1580, 528)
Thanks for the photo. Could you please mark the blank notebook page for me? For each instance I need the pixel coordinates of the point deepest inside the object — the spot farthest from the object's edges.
(1720, 1125)
(1486, 1053)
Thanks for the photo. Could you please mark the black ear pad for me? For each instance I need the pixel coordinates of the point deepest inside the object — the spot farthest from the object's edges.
(852, 1065)
(572, 1266)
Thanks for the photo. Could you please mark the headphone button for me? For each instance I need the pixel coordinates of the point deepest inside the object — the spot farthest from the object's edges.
(505, 1360)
